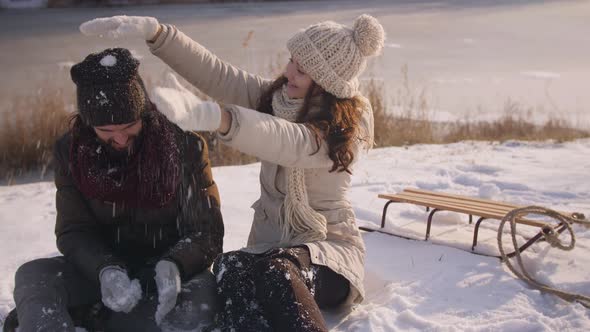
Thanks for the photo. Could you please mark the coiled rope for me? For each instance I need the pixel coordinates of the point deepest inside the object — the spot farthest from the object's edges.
(552, 237)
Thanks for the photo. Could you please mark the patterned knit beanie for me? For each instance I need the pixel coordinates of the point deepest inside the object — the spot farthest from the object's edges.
(334, 55)
(109, 88)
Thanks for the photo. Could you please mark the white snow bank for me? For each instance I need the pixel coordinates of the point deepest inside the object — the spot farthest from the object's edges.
(542, 75)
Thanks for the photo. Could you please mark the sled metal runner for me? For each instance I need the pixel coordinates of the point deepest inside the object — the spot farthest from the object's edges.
(482, 208)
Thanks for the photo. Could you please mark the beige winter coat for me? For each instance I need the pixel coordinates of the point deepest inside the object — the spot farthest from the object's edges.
(278, 144)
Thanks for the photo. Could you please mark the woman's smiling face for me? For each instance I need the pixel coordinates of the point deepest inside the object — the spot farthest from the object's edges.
(298, 81)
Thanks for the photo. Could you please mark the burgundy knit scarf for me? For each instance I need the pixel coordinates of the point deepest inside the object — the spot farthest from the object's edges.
(148, 178)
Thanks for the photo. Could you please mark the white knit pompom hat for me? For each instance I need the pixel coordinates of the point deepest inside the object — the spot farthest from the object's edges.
(333, 55)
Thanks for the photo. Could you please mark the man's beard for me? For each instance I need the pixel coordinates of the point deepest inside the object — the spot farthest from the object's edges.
(126, 153)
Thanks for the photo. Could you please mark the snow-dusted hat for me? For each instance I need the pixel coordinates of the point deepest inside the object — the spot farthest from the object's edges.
(334, 55)
(109, 88)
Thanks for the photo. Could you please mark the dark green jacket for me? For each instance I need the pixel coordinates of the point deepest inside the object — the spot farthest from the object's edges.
(92, 234)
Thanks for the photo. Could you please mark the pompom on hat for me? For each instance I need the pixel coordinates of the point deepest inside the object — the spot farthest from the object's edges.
(109, 88)
(334, 55)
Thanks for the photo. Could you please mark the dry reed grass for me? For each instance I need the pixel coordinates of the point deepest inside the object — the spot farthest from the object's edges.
(31, 124)
(412, 124)
(513, 126)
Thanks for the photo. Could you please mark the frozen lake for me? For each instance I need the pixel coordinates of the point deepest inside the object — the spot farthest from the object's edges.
(470, 57)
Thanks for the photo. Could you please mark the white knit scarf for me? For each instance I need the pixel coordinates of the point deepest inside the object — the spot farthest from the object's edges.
(300, 223)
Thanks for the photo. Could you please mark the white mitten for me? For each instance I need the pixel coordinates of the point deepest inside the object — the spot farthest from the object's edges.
(121, 26)
(168, 282)
(185, 109)
(118, 292)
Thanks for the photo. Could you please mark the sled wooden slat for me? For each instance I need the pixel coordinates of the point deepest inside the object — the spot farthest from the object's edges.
(482, 208)
(488, 211)
(463, 198)
(493, 210)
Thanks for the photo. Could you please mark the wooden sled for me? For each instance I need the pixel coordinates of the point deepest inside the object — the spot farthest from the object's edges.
(482, 208)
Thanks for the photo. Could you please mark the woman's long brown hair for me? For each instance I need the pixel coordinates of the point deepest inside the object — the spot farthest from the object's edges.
(337, 122)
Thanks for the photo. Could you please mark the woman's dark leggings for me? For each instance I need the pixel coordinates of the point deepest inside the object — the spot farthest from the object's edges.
(279, 290)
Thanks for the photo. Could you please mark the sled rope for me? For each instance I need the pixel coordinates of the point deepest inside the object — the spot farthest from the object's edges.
(552, 237)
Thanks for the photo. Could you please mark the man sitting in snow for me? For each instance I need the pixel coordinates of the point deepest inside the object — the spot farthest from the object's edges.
(137, 215)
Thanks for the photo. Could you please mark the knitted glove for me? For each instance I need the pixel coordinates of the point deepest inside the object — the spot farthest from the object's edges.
(168, 282)
(118, 292)
(184, 108)
(121, 26)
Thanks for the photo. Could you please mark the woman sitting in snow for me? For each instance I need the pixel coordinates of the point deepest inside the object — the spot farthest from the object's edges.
(308, 128)
(138, 219)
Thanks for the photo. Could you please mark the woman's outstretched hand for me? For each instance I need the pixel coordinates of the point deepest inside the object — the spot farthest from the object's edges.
(122, 27)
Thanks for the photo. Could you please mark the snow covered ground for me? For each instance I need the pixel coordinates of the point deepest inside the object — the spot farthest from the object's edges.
(411, 285)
